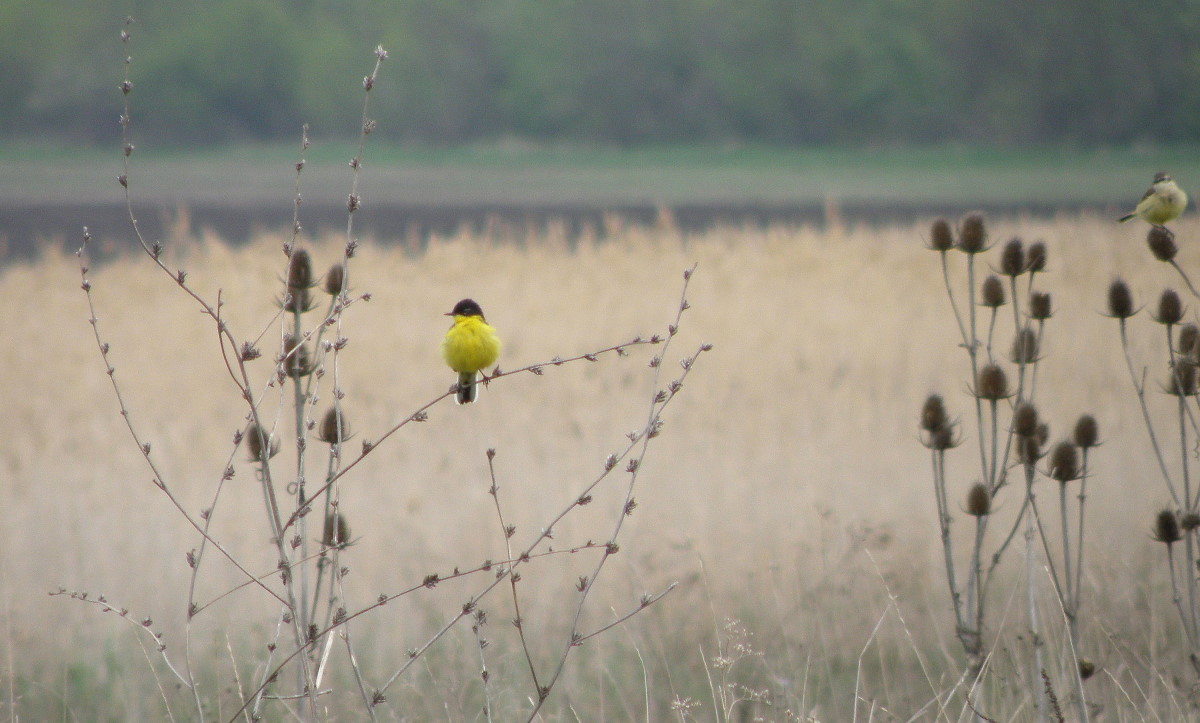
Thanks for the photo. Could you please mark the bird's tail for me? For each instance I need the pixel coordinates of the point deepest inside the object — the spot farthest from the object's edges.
(467, 391)
(1126, 217)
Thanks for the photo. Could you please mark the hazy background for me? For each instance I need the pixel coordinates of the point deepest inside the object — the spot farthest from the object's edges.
(885, 72)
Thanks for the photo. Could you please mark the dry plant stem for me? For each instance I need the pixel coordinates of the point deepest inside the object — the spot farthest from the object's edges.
(1184, 275)
(973, 351)
(658, 401)
(1035, 635)
(966, 341)
(1177, 598)
(1140, 388)
(241, 380)
(968, 636)
(1083, 480)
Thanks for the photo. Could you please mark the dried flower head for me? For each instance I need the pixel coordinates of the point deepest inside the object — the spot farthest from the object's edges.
(1166, 527)
(1086, 668)
(1087, 432)
(1189, 521)
(1064, 462)
(335, 279)
(1120, 300)
(1161, 243)
(933, 414)
(991, 294)
(940, 238)
(972, 237)
(334, 427)
(1182, 381)
(1029, 449)
(300, 273)
(1012, 259)
(1039, 306)
(258, 440)
(1025, 419)
(337, 531)
(295, 360)
(992, 383)
(1189, 335)
(979, 502)
(1025, 347)
(1170, 308)
(1035, 257)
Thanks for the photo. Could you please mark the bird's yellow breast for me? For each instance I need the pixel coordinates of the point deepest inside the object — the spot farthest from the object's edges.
(470, 345)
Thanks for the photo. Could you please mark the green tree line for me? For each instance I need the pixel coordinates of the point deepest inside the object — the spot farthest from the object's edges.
(1087, 72)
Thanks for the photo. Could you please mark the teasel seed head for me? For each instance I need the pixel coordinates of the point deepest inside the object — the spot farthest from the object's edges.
(296, 363)
(1064, 462)
(1189, 337)
(933, 414)
(1029, 450)
(1086, 668)
(1170, 308)
(991, 294)
(337, 531)
(1087, 432)
(1025, 347)
(940, 237)
(1012, 259)
(1189, 521)
(257, 440)
(1035, 257)
(972, 237)
(1182, 382)
(979, 502)
(992, 383)
(335, 279)
(300, 273)
(1025, 420)
(1161, 243)
(328, 431)
(1039, 306)
(1120, 300)
(942, 439)
(1166, 527)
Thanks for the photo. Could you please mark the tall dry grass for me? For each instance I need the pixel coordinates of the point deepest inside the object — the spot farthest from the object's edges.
(789, 490)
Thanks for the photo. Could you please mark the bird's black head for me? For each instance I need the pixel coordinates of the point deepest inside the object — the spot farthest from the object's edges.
(1161, 176)
(467, 307)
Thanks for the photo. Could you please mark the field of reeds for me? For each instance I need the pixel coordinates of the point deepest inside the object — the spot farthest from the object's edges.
(787, 497)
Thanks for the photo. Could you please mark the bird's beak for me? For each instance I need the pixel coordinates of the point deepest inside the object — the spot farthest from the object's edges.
(448, 313)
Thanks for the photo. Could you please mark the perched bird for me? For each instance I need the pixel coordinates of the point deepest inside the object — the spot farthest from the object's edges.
(1163, 202)
(470, 346)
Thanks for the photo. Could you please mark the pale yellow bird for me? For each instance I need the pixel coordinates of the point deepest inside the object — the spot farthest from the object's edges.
(1163, 202)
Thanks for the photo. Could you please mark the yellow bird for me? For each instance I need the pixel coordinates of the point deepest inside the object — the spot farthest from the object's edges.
(1163, 202)
(469, 347)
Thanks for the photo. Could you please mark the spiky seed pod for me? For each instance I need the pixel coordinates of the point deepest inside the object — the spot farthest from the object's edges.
(335, 279)
(1012, 260)
(300, 273)
(1025, 420)
(1087, 432)
(1064, 462)
(979, 502)
(992, 383)
(1025, 347)
(1161, 243)
(1086, 668)
(1166, 527)
(972, 237)
(991, 294)
(1170, 308)
(257, 440)
(1035, 257)
(296, 363)
(1120, 300)
(328, 432)
(1043, 434)
(298, 300)
(933, 414)
(940, 238)
(337, 531)
(1182, 382)
(1189, 336)
(1029, 450)
(1189, 521)
(1039, 306)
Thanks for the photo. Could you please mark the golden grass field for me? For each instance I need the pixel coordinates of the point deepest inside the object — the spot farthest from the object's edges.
(788, 491)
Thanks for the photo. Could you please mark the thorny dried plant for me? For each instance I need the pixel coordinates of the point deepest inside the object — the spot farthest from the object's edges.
(308, 581)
